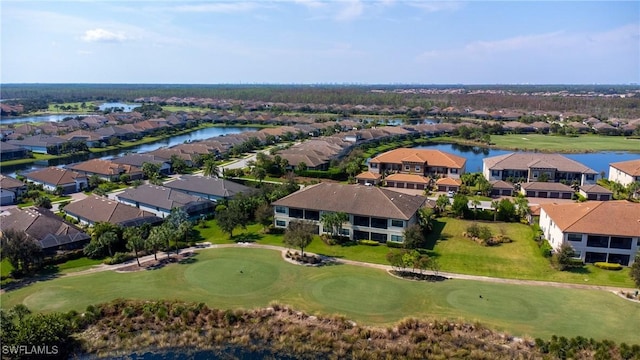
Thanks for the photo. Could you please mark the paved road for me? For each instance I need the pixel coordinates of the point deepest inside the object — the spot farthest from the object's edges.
(204, 246)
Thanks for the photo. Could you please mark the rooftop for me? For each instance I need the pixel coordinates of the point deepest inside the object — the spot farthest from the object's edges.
(618, 218)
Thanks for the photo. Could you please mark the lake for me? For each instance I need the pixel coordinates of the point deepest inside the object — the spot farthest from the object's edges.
(39, 118)
(200, 134)
(598, 161)
(118, 105)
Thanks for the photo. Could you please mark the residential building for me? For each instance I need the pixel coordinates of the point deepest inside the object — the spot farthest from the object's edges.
(50, 231)
(596, 192)
(95, 209)
(53, 177)
(107, 169)
(41, 144)
(528, 167)
(447, 184)
(368, 178)
(10, 152)
(547, 190)
(374, 213)
(598, 231)
(160, 200)
(210, 188)
(138, 160)
(10, 190)
(501, 188)
(416, 167)
(625, 172)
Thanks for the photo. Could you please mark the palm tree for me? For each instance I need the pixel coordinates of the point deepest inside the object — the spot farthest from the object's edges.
(632, 188)
(135, 243)
(210, 168)
(494, 206)
(475, 203)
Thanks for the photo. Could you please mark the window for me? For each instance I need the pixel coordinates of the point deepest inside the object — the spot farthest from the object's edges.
(397, 223)
(598, 241)
(407, 167)
(296, 213)
(360, 235)
(344, 232)
(495, 172)
(379, 237)
(397, 238)
(577, 254)
(591, 176)
(312, 215)
(281, 223)
(574, 237)
(360, 220)
(417, 167)
(378, 223)
(620, 242)
(453, 171)
(281, 209)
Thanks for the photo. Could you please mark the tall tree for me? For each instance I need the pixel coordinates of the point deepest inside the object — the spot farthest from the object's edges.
(495, 205)
(264, 215)
(334, 222)
(475, 203)
(158, 237)
(413, 237)
(135, 242)
(299, 234)
(108, 240)
(635, 270)
(229, 218)
(151, 170)
(460, 205)
(43, 202)
(211, 168)
(178, 165)
(259, 173)
(441, 203)
(22, 251)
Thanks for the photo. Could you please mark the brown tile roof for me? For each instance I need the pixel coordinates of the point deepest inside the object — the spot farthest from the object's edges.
(54, 176)
(546, 186)
(160, 196)
(631, 167)
(95, 208)
(355, 199)
(500, 184)
(43, 226)
(368, 175)
(618, 218)
(412, 178)
(522, 161)
(7, 182)
(208, 185)
(104, 167)
(595, 189)
(431, 157)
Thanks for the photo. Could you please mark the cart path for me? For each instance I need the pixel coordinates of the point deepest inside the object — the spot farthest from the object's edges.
(206, 246)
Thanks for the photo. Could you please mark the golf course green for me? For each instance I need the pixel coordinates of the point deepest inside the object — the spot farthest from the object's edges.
(249, 278)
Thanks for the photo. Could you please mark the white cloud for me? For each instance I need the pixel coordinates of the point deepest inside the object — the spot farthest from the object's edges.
(353, 10)
(218, 7)
(313, 4)
(435, 6)
(102, 35)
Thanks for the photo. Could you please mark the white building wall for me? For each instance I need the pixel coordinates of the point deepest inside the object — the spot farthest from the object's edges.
(619, 176)
(156, 211)
(551, 230)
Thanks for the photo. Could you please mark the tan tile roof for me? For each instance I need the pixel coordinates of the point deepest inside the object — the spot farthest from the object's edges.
(522, 161)
(412, 178)
(500, 184)
(595, 189)
(368, 175)
(631, 167)
(449, 181)
(104, 167)
(355, 199)
(95, 208)
(431, 157)
(617, 218)
(54, 176)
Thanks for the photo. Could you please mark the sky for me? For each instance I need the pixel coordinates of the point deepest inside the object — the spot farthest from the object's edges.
(320, 42)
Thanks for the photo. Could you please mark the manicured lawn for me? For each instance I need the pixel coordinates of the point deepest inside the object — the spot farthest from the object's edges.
(248, 278)
(80, 264)
(5, 268)
(53, 198)
(520, 259)
(551, 143)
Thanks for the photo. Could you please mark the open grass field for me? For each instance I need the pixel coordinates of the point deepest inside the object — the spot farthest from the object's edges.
(520, 259)
(248, 278)
(566, 144)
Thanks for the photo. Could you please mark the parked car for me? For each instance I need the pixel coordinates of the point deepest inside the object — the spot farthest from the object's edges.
(451, 193)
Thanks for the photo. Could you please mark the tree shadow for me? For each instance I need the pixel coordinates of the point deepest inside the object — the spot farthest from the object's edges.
(49, 273)
(435, 235)
(582, 270)
(248, 237)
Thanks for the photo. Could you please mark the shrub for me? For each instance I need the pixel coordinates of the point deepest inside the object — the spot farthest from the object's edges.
(395, 244)
(545, 248)
(368, 242)
(118, 258)
(608, 266)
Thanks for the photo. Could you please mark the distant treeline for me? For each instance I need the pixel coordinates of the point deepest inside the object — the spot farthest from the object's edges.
(627, 107)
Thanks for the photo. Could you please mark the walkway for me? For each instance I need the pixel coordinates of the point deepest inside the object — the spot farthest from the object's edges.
(204, 246)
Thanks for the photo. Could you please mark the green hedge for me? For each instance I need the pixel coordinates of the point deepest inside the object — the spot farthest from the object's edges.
(545, 248)
(608, 266)
(395, 244)
(333, 174)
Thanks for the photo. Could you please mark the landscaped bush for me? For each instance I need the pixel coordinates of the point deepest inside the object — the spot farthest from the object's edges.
(395, 244)
(545, 248)
(368, 242)
(118, 258)
(608, 266)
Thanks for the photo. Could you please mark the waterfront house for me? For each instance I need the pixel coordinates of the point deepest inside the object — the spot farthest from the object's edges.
(10, 190)
(598, 231)
(53, 177)
(374, 213)
(596, 192)
(41, 144)
(530, 167)
(10, 152)
(625, 172)
(138, 160)
(106, 169)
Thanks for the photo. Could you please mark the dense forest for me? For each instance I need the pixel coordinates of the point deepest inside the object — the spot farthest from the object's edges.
(597, 100)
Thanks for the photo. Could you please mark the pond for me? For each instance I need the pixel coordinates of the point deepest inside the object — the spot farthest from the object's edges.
(39, 118)
(598, 161)
(118, 105)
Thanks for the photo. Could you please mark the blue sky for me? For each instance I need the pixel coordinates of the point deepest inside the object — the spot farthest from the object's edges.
(314, 41)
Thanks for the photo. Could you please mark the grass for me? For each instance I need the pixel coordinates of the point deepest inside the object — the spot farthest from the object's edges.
(248, 278)
(53, 198)
(553, 143)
